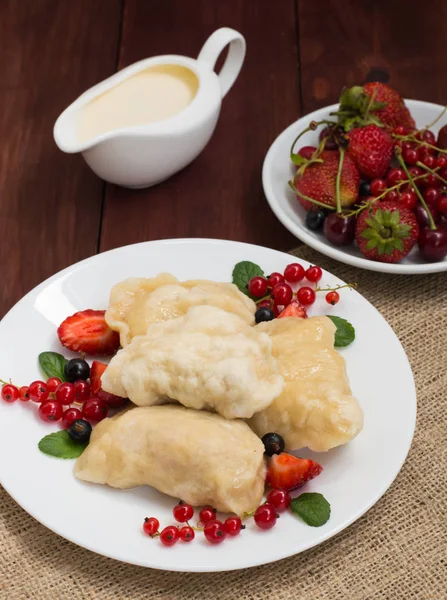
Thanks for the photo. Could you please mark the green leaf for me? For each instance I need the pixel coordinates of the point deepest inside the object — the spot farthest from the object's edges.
(52, 364)
(60, 445)
(298, 160)
(313, 508)
(395, 217)
(243, 272)
(345, 333)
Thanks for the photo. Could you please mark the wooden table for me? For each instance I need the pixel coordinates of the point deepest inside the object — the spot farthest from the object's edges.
(54, 211)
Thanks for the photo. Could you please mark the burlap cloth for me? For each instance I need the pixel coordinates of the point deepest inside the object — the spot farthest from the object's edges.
(398, 550)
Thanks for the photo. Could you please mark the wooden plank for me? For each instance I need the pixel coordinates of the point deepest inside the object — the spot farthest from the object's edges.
(50, 202)
(347, 42)
(220, 194)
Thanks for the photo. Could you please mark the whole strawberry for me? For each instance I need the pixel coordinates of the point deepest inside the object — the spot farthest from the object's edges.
(442, 138)
(394, 112)
(386, 232)
(318, 181)
(371, 147)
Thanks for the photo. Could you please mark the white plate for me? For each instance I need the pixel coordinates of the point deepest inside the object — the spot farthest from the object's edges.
(278, 170)
(109, 521)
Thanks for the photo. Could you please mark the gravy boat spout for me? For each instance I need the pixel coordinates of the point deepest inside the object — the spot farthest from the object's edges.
(148, 121)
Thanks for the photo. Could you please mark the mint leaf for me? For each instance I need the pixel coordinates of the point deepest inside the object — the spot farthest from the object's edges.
(243, 272)
(345, 333)
(313, 508)
(52, 364)
(60, 445)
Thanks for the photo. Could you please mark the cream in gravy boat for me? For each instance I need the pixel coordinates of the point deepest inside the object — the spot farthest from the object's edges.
(151, 119)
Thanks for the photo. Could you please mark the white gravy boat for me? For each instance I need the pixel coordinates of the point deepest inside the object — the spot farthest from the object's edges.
(142, 155)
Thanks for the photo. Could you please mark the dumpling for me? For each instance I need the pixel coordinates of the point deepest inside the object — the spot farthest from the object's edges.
(137, 303)
(196, 456)
(208, 359)
(316, 408)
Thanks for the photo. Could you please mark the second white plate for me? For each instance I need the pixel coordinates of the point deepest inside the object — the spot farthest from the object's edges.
(278, 170)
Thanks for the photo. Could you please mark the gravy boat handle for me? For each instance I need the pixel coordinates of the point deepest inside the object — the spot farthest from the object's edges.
(235, 58)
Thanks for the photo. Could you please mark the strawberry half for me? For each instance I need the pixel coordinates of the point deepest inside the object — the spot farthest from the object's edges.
(294, 309)
(96, 370)
(288, 472)
(87, 331)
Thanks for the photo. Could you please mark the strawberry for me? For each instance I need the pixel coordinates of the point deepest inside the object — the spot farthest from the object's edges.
(442, 138)
(374, 103)
(386, 232)
(294, 309)
(287, 472)
(317, 181)
(87, 331)
(394, 112)
(96, 370)
(371, 147)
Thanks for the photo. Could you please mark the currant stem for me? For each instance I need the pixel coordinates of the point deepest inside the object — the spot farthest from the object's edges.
(311, 127)
(337, 181)
(6, 382)
(433, 172)
(411, 180)
(436, 120)
(316, 202)
(352, 286)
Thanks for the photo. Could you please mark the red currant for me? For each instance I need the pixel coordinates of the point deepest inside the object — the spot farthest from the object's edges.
(169, 536)
(53, 383)
(406, 145)
(415, 172)
(408, 200)
(314, 274)
(425, 135)
(264, 303)
(307, 151)
(150, 525)
(332, 297)
(65, 393)
(233, 526)
(24, 394)
(50, 410)
(70, 415)
(215, 532)
(442, 205)
(265, 516)
(282, 294)
(377, 186)
(183, 512)
(279, 499)
(207, 514)
(429, 161)
(306, 296)
(443, 173)
(95, 409)
(187, 534)
(82, 390)
(275, 278)
(410, 156)
(393, 195)
(424, 152)
(38, 391)
(294, 273)
(400, 130)
(431, 196)
(395, 175)
(10, 393)
(441, 161)
(257, 286)
(432, 181)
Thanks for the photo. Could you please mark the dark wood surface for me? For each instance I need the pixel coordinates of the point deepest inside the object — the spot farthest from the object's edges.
(54, 211)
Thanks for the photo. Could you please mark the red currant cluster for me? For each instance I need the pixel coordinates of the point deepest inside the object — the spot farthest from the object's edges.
(214, 530)
(56, 397)
(427, 166)
(277, 291)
